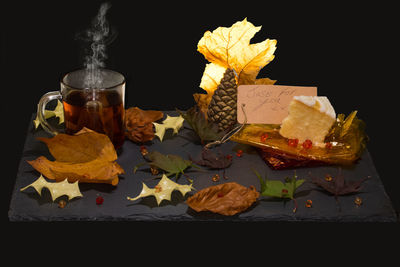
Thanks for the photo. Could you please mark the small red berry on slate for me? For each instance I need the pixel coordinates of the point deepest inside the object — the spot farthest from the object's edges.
(99, 200)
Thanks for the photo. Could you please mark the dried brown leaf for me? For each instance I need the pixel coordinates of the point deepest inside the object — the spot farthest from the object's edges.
(226, 199)
(86, 145)
(138, 123)
(95, 171)
(87, 157)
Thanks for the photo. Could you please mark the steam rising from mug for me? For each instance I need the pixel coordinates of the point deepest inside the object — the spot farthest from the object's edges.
(98, 36)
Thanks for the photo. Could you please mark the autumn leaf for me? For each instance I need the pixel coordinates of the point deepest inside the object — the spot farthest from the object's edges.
(205, 130)
(174, 123)
(211, 78)
(57, 112)
(87, 157)
(214, 160)
(171, 164)
(338, 186)
(226, 199)
(278, 189)
(71, 190)
(139, 124)
(163, 190)
(231, 48)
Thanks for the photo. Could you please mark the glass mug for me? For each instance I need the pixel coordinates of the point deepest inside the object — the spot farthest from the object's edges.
(99, 108)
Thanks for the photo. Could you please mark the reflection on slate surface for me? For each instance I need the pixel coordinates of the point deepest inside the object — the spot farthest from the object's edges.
(29, 206)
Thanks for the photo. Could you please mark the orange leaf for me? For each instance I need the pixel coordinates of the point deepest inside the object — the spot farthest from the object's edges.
(95, 171)
(81, 147)
(226, 199)
(87, 157)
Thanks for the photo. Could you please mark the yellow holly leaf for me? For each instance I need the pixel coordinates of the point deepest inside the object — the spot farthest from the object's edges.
(231, 48)
(57, 112)
(174, 123)
(56, 189)
(163, 190)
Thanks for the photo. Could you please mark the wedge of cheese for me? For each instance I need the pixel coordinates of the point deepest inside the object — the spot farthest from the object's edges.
(310, 117)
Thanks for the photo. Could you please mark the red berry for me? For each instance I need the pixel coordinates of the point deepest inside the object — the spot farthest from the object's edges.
(328, 145)
(307, 144)
(264, 137)
(99, 200)
(229, 156)
(293, 142)
(284, 191)
(239, 153)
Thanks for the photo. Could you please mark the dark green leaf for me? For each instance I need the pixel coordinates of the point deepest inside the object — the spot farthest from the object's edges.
(278, 189)
(205, 130)
(171, 164)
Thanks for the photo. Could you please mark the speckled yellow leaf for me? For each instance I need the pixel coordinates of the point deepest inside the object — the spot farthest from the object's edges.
(71, 190)
(174, 123)
(163, 190)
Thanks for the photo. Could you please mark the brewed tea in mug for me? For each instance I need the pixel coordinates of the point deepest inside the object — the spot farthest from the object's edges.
(98, 106)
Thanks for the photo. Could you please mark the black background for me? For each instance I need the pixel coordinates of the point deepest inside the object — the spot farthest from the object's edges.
(348, 51)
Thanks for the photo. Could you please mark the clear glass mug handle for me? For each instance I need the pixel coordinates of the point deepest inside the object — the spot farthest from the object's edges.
(46, 98)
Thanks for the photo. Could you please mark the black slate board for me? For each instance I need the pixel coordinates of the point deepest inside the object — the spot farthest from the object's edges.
(29, 206)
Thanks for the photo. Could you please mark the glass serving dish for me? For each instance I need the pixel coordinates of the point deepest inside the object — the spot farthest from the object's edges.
(343, 145)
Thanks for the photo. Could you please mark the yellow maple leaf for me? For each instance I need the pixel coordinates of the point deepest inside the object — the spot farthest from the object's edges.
(231, 48)
(212, 75)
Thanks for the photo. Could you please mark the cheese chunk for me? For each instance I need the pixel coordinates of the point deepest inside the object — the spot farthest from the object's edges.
(310, 117)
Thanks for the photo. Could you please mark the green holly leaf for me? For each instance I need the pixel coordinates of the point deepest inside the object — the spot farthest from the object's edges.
(170, 164)
(278, 189)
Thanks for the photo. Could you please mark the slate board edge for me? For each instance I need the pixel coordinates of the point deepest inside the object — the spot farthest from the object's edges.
(11, 213)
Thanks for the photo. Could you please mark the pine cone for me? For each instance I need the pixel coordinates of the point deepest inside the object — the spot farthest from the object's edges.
(222, 108)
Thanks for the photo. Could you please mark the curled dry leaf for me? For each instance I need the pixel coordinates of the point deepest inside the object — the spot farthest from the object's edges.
(226, 199)
(139, 124)
(87, 157)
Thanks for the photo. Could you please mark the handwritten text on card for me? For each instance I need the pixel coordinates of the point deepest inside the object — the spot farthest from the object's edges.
(268, 103)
